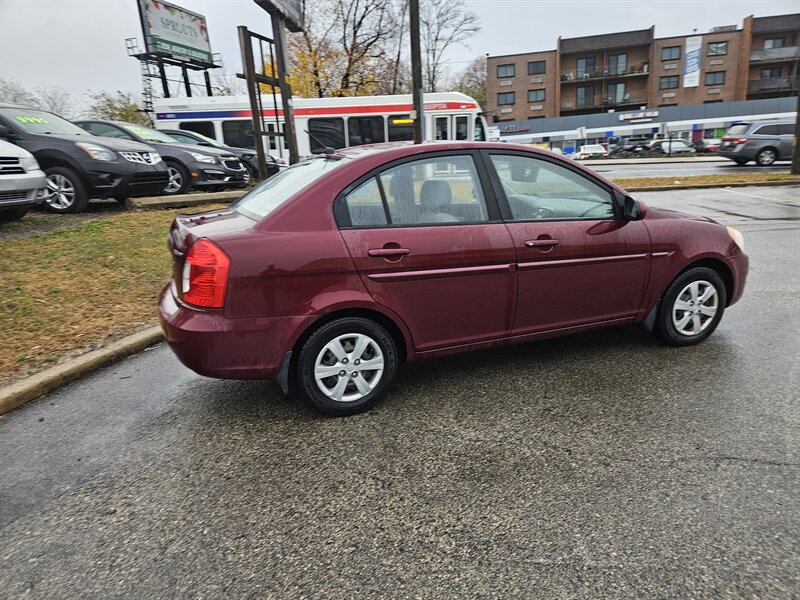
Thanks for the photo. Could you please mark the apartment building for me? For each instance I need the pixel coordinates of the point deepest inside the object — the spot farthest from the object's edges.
(634, 69)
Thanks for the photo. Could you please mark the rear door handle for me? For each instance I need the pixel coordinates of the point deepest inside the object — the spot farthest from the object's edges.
(384, 252)
(541, 243)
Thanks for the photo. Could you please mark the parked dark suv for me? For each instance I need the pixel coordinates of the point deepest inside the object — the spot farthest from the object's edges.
(188, 166)
(80, 166)
(761, 141)
(246, 155)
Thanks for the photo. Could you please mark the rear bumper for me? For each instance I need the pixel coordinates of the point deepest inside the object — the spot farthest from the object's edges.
(739, 151)
(213, 345)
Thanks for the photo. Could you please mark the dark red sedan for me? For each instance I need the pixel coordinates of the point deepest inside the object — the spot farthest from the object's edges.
(343, 266)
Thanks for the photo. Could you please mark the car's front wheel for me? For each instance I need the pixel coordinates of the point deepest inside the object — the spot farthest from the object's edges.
(692, 307)
(346, 366)
(65, 192)
(179, 181)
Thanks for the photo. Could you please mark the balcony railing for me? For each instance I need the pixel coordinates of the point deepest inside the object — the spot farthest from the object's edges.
(773, 84)
(609, 102)
(605, 72)
(787, 53)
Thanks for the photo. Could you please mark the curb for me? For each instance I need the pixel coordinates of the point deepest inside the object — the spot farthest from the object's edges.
(705, 186)
(33, 387)
(652, 161)
(183, 200)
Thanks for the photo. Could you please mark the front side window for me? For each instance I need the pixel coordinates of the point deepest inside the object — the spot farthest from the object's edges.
(326, 132)
(668, 83)
(773, 43)
(505, 70)
(715, 78)
(671, 53)
(505, 98)
(717, 48)
(431, 191)
(537, 67)
(365, 130)
(535, 95)
(480, 132)
(540, 190)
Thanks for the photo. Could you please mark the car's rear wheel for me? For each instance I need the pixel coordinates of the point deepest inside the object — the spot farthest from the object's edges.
(346, 366)
(13, 214)
(178, 182)
(65, 192)
(766, 156)
(692, 307)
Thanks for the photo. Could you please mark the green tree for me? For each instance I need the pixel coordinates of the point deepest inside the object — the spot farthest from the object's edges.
(117, 106)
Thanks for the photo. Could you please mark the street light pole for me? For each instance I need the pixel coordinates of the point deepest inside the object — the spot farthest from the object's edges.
(416, 71)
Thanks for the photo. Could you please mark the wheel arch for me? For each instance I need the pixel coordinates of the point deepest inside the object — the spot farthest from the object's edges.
(715, 264)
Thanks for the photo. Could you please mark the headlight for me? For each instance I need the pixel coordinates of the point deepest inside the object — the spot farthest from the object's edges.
(155, 158)
(95, 151)
(28, 162)
(737, 237)
(204, 157)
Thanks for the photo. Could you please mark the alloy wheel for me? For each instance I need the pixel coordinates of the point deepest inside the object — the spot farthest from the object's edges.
(767, 157)
(349, 367)
(695, 308)
(60, 192)
(175, 180)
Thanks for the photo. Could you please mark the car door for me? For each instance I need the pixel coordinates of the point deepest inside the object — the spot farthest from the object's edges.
(786, 136)
(578, 260)
(429, 244)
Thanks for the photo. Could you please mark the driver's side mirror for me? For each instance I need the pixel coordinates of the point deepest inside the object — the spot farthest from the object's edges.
(631, 209)
(6, 133)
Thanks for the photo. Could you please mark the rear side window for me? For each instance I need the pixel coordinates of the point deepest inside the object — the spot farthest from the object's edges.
(326, 132)
(432, 191)
(786, 129)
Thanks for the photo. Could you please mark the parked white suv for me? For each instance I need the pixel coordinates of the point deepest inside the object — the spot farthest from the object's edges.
(21, 180)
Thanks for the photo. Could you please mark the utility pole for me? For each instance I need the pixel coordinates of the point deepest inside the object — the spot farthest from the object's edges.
(416, 72)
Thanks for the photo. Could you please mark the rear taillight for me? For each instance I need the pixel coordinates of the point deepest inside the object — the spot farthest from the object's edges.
(205, 275)
(735, 140)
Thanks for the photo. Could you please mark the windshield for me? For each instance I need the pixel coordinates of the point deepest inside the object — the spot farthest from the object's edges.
(40, 122)
(148, 135)
(279, 188)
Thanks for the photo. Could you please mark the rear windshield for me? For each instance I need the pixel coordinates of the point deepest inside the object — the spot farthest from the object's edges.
(738, 129)
(279, 188)
(40, 122)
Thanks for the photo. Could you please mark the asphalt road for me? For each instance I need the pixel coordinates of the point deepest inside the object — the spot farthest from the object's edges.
(683, 169)
(602, 465)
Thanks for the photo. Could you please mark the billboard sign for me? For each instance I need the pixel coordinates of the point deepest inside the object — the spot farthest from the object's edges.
(175, 31)
(691, 66)
(292, 11)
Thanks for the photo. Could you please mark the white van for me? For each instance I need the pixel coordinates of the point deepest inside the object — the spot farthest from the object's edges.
(21, 181)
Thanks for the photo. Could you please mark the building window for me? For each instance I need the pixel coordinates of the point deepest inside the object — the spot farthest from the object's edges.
(505, 70)
(668, 104)
(773, 43)
(717, 48)
(770, 73)
(715, 78)
(535, 95)
(671, 53)
(669, 83)
(585, 67)
(505, 98)
(537, 67)
(616, 93)
(617, 64)
(584, 97)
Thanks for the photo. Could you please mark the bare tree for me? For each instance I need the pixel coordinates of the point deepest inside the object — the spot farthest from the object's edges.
(11, 91)
(472, 80)
(443, 23)
(57, 100)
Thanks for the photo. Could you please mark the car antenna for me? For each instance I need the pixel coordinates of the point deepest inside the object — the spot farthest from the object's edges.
(324, 150)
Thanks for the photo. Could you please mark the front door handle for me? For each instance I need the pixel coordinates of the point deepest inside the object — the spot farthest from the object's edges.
(546, 243)
(388, 252)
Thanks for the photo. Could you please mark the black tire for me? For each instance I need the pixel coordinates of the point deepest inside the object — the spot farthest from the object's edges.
(252, 173)
(741, 161)
(66, 192)
(766, 157)
(346, 328)
(182, 179)
(13, 214)
(666, 328)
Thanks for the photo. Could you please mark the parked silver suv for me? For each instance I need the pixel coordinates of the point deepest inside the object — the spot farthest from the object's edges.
(761, 141)
(21, 180)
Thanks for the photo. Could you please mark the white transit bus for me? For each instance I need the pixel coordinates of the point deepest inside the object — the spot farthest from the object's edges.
(320, 122)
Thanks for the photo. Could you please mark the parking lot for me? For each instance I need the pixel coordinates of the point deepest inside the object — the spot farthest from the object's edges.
(598, 465)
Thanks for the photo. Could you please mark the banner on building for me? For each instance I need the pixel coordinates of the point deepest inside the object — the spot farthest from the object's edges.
(691, 66)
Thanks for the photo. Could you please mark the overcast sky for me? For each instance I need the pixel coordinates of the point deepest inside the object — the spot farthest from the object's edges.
(80, 44)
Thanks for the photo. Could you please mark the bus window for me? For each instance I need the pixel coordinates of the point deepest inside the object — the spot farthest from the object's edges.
(462, 127)
(365, 130)
(271, 138)
(238, 134)
(480, 133)
(326, 132)
(401, 128)
(205, 128)
(442, 128)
